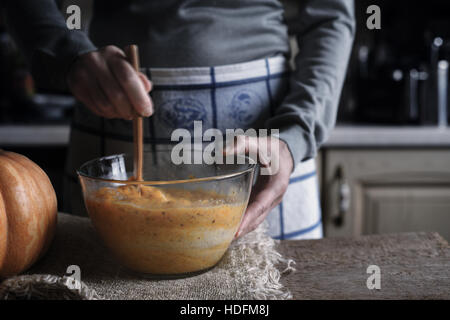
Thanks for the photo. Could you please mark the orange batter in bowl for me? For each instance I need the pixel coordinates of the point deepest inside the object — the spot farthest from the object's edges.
(165, 231)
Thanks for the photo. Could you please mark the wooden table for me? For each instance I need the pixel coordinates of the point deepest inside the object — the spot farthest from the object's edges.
(412, 266)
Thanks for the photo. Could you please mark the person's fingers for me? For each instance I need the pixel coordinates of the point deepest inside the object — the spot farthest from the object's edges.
(266, 194)
(270, 187)
(116, 90)
(237, 146)
(268, 191)
(147, 83)
(264, 198)
(97, 99)
(111, 88)
(81, 86)
(83, 95)
(90, 77)
(248, 145)
(118, 99)
(133, 86)
(102, 103)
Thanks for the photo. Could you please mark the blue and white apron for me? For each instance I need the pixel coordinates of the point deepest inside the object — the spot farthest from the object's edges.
(225, 97)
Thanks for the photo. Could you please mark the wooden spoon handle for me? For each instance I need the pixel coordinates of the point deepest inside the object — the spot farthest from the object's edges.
(132, 54)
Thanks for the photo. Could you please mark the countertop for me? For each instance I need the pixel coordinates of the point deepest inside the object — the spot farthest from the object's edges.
(412, 265)
(385, 136)
(341, 136)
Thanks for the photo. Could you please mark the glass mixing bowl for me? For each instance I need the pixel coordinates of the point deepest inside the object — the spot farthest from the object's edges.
(180, 220)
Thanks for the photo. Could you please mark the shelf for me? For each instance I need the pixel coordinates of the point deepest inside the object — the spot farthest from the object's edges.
(34, 135)
(384, 136)
(341, 136)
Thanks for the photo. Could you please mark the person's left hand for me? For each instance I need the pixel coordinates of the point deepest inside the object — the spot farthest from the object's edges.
(269, 189)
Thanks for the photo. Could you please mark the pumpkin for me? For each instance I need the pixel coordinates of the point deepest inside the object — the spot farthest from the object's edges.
(28, 211)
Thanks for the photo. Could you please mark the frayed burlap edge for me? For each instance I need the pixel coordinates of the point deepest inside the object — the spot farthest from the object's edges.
(45, 286)
(261, 276)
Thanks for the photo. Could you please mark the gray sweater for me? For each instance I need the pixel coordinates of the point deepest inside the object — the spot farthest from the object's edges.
(189, 33)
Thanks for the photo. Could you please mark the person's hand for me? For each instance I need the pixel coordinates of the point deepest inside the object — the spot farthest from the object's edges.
(108, 85)
(269, 189)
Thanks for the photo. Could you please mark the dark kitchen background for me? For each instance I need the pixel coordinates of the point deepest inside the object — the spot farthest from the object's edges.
(385, 167)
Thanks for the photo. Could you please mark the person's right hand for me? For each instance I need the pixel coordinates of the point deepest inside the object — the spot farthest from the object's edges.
(108, 85)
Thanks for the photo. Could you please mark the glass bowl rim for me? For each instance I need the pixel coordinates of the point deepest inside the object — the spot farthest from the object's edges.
(250, 168)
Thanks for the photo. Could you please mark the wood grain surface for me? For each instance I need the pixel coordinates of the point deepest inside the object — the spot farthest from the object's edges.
(412, 265)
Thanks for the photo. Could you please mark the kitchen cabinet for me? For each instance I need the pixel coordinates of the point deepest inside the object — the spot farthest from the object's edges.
(377, 191)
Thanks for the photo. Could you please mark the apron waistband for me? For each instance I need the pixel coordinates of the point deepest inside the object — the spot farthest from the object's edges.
(273, 66)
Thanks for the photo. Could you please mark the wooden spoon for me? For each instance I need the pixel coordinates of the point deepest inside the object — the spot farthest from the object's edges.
(132, 54)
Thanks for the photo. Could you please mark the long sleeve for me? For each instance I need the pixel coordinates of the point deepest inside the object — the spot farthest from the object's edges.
(325, 32)
(50, 47)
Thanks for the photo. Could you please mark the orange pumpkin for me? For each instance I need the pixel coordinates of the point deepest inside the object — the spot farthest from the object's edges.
(28, 211)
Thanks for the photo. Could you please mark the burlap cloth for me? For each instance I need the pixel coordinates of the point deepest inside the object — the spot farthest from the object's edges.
(251, 269)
